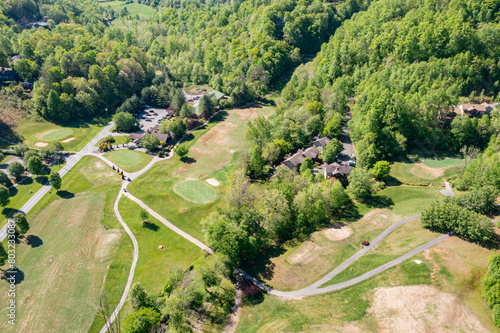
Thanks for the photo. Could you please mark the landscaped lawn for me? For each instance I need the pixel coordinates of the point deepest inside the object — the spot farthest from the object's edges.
(426, 171)
(214, 150)
(57, 134)
(20, 194)
(76, 239)
(453, 267)
(154, 264)
(76, 135)
(133, 8)
(119, 139)
(129, 160)
(194, 190)
(298, 264)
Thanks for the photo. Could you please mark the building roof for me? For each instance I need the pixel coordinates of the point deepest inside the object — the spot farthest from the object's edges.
(162, 137)
(311, 152)
(136, 136)
(295, 159)
(330, 168)
(218, 95)
(321, 142)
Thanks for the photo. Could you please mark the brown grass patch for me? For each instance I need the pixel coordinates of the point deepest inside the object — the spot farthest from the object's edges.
(423, 171)
(422, 309)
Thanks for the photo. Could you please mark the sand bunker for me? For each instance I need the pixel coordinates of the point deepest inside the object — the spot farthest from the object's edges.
(212, 182)
(336, 233)
(69, 139)
(422, 309)
(41, 144)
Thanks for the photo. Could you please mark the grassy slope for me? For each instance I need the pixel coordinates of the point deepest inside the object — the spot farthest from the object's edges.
(63, 277)
(32, 132)
(154, 264)
(454, 266)
(20, 194)
(320, 255)
(426, 171)
(129, 160)
(133, 8)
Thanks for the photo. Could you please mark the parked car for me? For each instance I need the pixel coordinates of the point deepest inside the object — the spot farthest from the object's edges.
(142, 125)
(143, 117)
(149, 119)
(352, 163)
(148, 114)
(147, 106)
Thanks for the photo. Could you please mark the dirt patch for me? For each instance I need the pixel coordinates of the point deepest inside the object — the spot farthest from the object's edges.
(249, 113)
(336, 233)
(41, 144)
(423, 171)
(68, 140)
(107, 243)
(306, 253)
(422, 309)
(99, 166)
(378, 217)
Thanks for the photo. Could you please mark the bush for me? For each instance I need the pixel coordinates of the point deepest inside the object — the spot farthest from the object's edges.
(141, 321)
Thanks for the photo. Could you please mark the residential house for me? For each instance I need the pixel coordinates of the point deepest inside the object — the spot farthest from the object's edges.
(295, 160)
(335, 170)
(7, 74)
(472, 110)
(319, 143)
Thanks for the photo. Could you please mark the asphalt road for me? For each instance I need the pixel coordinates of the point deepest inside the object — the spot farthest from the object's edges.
(70, 163)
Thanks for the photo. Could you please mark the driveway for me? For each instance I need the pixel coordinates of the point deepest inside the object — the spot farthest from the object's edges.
(346, 142)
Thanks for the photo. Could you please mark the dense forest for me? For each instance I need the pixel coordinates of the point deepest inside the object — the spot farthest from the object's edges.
(91, 59)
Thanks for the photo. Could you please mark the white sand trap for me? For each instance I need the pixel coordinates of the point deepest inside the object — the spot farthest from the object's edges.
(212, 182)
(336, 233)
(69, 139)
(41, 144)
(418, 261)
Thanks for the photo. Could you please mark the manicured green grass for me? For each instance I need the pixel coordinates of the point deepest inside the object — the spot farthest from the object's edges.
(215, 150)
(20, 194)
(445, 162)
(281, 269)
(176, 252)
(129, 160)
(133, 8)
(82, 132)
(428, 171)
(78, 237)
(266, 313)
(57, 134)
(156, 189)
(194, 190)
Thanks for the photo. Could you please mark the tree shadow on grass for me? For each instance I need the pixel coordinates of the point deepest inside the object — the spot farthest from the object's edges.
(34, 241)
(149, 225)
(42, 179)
(188, 160)
(378, 201)
(65, 194)
(16, 277)
(263, 268)
(9, 212)
(349, 213)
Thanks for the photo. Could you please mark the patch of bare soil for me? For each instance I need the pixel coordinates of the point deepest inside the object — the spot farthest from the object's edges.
(378, 218)
(423, 171)
(68, 140)
(422, 309)
(306, 253)
(107, 243)
(337, 233)
(249, 113)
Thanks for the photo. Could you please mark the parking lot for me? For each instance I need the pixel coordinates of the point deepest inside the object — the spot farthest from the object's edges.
(150, 117)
